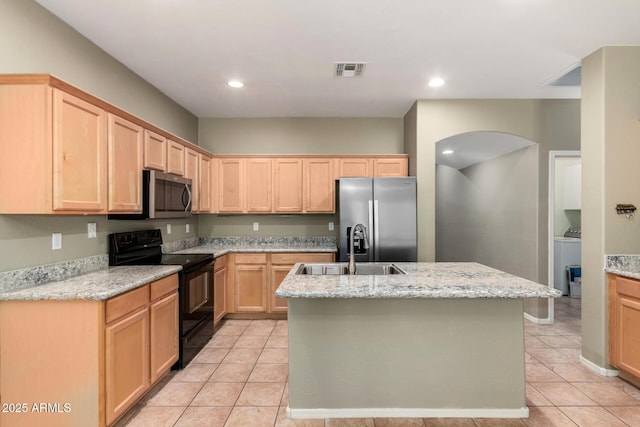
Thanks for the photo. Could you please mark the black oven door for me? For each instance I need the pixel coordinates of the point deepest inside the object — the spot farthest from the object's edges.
(197, 298)
(196, 311)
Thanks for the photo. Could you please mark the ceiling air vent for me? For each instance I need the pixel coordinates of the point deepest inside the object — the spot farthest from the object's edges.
(349, 69)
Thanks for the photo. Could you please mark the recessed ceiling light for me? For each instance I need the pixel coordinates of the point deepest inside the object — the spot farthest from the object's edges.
(235, 83)
(437, 82)
(447, 152)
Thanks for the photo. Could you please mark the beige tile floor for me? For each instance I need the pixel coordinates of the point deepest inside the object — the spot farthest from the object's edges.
(240, 379)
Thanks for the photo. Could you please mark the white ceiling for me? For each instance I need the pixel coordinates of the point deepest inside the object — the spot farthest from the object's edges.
(475, 147)
(284, 50)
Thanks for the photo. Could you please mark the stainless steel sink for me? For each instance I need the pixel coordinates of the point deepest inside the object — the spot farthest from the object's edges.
(365, 269)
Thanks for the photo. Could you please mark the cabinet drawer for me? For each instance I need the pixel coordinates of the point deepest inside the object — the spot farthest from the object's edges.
(628, 287)
(126, 303)
(163, 286)
(292, 258)
(220, 263)
(251, 258)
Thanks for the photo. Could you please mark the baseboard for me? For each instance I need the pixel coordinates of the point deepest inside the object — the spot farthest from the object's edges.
(597, 369)
(408, 413)
(545, 321)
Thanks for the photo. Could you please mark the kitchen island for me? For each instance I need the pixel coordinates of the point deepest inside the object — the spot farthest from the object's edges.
(443, 340)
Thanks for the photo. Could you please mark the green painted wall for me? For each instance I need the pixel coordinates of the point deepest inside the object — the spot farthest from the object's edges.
(32, 40)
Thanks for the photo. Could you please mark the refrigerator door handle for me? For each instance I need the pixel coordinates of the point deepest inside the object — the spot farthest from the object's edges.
(372, 237)
(376, 233)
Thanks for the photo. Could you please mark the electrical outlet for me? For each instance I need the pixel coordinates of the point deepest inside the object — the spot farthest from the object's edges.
(56, 241)
(91, 230)
(168, 228)
(256, 226)
(187, 228)
(330, 226)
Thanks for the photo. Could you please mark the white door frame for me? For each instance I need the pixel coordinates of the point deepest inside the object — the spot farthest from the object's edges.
(553, 155)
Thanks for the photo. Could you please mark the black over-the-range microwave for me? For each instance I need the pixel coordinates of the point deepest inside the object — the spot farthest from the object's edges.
(164, 195)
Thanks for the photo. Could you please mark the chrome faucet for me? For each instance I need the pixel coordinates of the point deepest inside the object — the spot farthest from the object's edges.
(359, 232)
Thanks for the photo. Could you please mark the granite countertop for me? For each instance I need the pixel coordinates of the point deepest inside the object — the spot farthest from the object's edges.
(423, 280)
(623, 265)
(97, 285)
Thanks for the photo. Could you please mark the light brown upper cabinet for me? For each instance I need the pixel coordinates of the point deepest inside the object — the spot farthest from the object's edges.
(355, 167)
(390, 167)
(231, 195)
(57, 141)
(79, 155)
(245, 185)
(288, 185)
(291, 184)
(175, 158)
(125, 165)
(191, 171)
(203, 186)
(319, 185)
(258, 185)
(155, 151)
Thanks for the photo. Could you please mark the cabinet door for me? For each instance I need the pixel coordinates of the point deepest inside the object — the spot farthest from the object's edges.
(126, 362)
(258, 185)
(355, 167)
(319, 185)
(79, 155)
(125, 165)
(625, 324)
(219, 294)
(250, 288)
(204, 183)
(191, 171)
(155, 151)
(231, 193)
(163, 335)
(175, 158)
(278, 273)
(288, 185)
(390, 167)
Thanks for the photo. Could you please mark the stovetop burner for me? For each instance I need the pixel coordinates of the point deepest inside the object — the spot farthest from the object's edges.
(144, 247)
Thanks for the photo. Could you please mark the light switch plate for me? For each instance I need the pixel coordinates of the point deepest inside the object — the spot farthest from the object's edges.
(56, 241)
(256, 226)
(331, 226)
(187, 228)
(168, 228)
(91, 230)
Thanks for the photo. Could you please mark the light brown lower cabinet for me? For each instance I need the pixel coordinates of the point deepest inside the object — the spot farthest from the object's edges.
(85, 362)
(250, 283)
(255, 277)
(624, 325)
(219, 289)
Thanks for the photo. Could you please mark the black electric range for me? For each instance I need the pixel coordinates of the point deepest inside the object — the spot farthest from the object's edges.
(195, 290)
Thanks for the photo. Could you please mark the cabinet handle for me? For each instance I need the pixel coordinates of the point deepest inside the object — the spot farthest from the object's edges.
(188, 192)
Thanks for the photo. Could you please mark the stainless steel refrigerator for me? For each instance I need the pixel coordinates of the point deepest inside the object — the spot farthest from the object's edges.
(387, 208)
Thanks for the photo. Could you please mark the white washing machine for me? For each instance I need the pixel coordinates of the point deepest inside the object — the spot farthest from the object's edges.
(566, 251)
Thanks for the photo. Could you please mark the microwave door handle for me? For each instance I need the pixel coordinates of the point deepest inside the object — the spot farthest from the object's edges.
(188, 192)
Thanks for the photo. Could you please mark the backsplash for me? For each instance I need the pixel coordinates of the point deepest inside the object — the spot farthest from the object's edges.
(40, 274)
(23, 278)
(267, 241)
(178, 245)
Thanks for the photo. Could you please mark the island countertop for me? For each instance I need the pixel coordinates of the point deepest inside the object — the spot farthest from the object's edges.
(423, 280)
